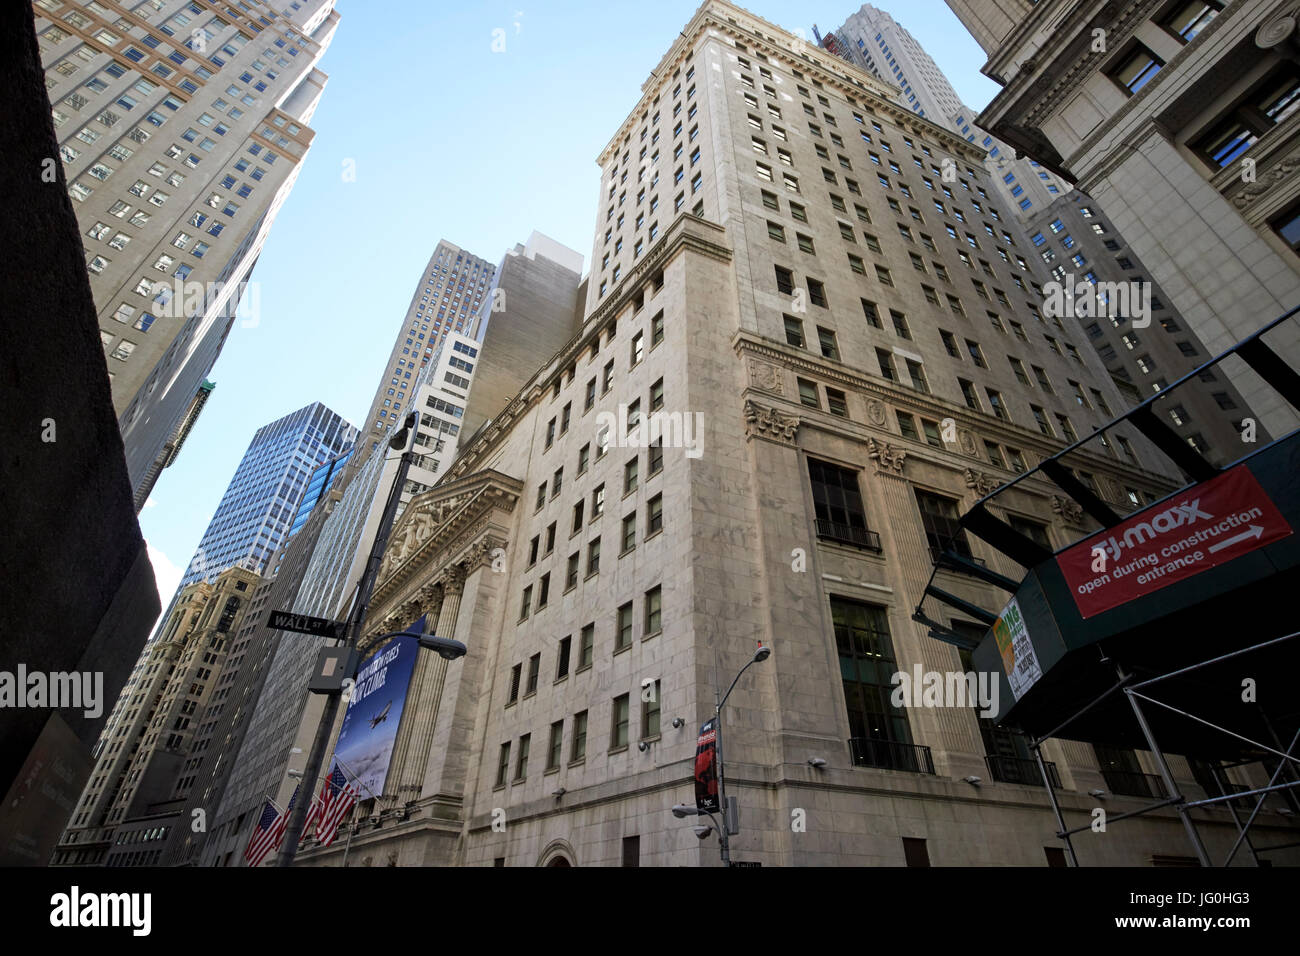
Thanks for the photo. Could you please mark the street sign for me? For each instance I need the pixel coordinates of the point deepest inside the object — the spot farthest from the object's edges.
(303, 624)
(1202, 527)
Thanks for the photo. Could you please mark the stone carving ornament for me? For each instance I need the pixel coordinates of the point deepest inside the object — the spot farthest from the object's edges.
(885, 456)
(769, 423)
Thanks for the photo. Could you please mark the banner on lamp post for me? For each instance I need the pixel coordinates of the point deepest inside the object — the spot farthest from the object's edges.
(706, 767)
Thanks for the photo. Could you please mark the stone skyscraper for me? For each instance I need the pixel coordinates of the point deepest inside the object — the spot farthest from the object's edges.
(796, 367)
(182, 128)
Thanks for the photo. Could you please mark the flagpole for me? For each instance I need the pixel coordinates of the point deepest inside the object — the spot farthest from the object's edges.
(347, 846)
(266, 797)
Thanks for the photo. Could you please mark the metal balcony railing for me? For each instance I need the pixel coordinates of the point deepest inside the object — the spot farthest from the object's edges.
(1007, 769)
(847, 534)
(890, 755)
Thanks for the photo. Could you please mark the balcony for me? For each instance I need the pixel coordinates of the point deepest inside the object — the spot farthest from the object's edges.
(890, 755)
(1006, 769)
(1128, 783)
(847, 534)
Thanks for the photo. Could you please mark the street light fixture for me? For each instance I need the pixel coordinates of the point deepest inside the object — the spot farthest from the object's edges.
(728, 819)
(402, 440)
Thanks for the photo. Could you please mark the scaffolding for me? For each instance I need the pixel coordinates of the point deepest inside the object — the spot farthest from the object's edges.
(1151, 662)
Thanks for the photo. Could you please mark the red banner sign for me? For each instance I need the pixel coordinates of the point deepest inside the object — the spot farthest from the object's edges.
(1206, 525)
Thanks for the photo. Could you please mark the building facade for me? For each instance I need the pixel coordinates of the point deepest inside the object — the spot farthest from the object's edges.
(1147, 345)
(138, 776)
(451, 290)
(255, 512)
(790, 380)
(249, 526)
(876, 42)
(532, 307)
(181, 131)
(1179, 119)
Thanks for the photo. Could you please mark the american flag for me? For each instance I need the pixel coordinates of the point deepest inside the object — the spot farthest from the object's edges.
(337, 798)
(264, 837)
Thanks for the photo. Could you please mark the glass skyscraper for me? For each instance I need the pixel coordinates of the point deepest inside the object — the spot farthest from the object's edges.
(263, 497)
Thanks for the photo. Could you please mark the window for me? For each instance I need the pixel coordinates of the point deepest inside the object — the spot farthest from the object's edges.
(867, 661)
(618, 736)
(653, 616)
(826, 339)
(817, 293)
(555, 745)
(593, 557)
(794, 332)
(939, 520)
(521, 759)
(837, 502)
(534, 666)
(808, 393)
(654, 515)
(1135, 69)
(579, 749)
(503, 764)
(784, 281)
(1187, 19)
(1269, 103)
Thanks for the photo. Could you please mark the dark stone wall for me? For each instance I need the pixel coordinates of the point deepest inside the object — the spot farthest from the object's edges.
(76, 589)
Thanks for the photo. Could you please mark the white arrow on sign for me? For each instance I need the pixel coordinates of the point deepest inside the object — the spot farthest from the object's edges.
(1254, 532)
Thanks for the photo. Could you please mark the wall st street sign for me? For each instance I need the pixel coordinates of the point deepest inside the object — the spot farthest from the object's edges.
(304, 624)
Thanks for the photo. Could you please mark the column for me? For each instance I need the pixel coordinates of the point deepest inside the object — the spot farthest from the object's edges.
(429, 689)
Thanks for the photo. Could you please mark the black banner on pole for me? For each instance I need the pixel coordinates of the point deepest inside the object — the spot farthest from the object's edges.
(706, 767)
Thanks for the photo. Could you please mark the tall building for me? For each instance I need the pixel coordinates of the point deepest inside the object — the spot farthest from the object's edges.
(875, 41)
(80, 594)
(1144, 349)
(532, 308)
(1179, 125)
(1076, 243)
(182, 128)
(264, 495)
(451, 290)
(793, 373)
(249, 525)
(129, 806)
(222, 724)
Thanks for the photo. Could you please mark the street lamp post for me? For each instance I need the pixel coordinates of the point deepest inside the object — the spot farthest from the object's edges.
(403, 439)
(682, 810)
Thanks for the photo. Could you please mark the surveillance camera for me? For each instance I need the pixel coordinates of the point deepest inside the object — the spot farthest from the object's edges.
(1097, 793)
(702, 832)
(678, 723)
(816, 762)
(643, 746)
(973, 780)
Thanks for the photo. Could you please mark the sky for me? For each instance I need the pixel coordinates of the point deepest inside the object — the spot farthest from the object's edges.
(424, 132)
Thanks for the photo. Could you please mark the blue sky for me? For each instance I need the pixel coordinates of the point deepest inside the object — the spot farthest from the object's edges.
(449, 140)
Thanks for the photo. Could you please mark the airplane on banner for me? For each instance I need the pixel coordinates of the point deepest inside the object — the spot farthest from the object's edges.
(383, 715)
